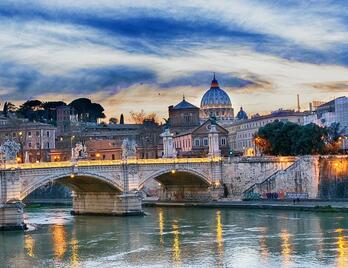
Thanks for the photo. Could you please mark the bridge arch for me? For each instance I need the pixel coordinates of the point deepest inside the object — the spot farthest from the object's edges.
(79, 182)
(200, 176)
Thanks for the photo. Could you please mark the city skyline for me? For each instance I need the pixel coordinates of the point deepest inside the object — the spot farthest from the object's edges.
(147, 56)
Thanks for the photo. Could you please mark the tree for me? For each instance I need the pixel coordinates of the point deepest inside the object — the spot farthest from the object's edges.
(140, 117)
(121, 119)
(50, 110)
(31, 109)
(113, 121)
(278, 138)
(86, 110)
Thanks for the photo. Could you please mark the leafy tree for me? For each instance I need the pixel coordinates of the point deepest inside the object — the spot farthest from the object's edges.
(278, 138)
(86, 110)
(31, 109)
(113, 121)
(50, 110)
(140, 117)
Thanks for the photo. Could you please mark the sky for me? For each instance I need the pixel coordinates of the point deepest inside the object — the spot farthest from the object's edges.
(144, 55)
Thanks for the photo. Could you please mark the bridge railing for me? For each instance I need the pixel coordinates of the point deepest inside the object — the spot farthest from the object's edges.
(84, 163)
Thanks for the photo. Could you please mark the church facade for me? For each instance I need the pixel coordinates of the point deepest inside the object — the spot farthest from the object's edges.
(191, 125)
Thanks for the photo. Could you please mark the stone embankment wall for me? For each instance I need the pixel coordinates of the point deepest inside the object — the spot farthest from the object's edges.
(333, 177)
(324, 177)
(241, 173)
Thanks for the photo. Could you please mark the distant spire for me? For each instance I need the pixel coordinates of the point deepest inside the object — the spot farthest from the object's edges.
(214, 82)
(183, 97)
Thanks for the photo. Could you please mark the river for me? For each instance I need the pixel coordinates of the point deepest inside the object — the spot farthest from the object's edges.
(179, 237)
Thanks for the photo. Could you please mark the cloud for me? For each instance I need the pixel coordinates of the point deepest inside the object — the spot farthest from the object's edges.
(148, 54)
(339, 87)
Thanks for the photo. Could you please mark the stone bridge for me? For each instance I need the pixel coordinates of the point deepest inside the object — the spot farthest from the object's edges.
(109, 187)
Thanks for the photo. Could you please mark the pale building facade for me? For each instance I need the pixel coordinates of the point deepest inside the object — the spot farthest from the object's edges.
(37, 140)
(241, 133)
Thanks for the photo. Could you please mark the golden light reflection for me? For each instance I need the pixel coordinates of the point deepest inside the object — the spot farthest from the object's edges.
(29, 244)
(59, 241)
(342, 248)
(219, 236)
(74, 258)
(263, 246)
(176, 244)
(286, 247)
(161, 225)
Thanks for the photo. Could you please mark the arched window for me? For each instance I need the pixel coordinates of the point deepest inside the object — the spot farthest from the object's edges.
(197, 142)
(223, 141)
(205, 141)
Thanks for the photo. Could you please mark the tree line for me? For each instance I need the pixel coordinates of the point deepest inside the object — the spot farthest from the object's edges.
(279, 138)
(85, 109)
(46, 112)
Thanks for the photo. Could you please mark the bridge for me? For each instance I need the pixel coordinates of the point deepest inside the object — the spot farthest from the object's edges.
(107, 187)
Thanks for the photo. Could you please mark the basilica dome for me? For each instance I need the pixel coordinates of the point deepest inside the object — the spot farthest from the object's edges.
(216, 103)
(215, 96)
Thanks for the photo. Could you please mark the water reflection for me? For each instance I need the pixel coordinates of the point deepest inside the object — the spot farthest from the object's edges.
(219, 238)
(74, 258)
(176, 244)
(29, 244)
(286, 247)
(161, 225)
(59, 241)
(263, 245)
(183, 237)
(342, 258)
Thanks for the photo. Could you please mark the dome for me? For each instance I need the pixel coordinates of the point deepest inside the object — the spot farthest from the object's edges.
(242, 115)
(215, 96)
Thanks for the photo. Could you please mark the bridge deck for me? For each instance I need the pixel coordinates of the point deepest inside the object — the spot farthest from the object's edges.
(83, 163)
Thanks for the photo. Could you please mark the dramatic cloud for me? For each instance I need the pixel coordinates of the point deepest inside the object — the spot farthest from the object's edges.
(149, 53)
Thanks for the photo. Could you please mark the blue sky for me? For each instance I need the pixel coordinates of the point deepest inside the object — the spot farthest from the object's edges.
(132, 55)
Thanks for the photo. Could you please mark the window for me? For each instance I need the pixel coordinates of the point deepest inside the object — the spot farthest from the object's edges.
(223, 141)
(29, 144)
(48, 145)
(29, 133)
(14, 134)
(37, 133)
(47, 133)
(205, 142)
(113, 157)
(38, 145)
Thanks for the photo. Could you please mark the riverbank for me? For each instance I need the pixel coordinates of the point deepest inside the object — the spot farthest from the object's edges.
(303, 205)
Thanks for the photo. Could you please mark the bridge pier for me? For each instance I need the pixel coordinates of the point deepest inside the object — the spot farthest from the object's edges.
(11, 217)
(106, 203)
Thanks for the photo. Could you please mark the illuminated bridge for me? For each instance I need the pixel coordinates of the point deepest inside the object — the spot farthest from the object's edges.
(110, 187)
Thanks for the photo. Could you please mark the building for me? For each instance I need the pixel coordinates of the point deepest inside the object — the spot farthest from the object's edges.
(37, 140)
(216, 103)
(106, 140)
(195, 143)
(241, 132)
(66, 119)
(183, 116)
(334, 111)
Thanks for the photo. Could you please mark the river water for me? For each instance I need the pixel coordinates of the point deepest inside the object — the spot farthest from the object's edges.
(179, 237)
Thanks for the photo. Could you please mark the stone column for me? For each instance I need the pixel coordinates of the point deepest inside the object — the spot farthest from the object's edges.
(213, 139)
(11, 214)
(168, 144)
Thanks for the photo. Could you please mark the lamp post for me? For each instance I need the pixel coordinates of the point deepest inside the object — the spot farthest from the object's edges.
(71, 146)
(20, 135)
